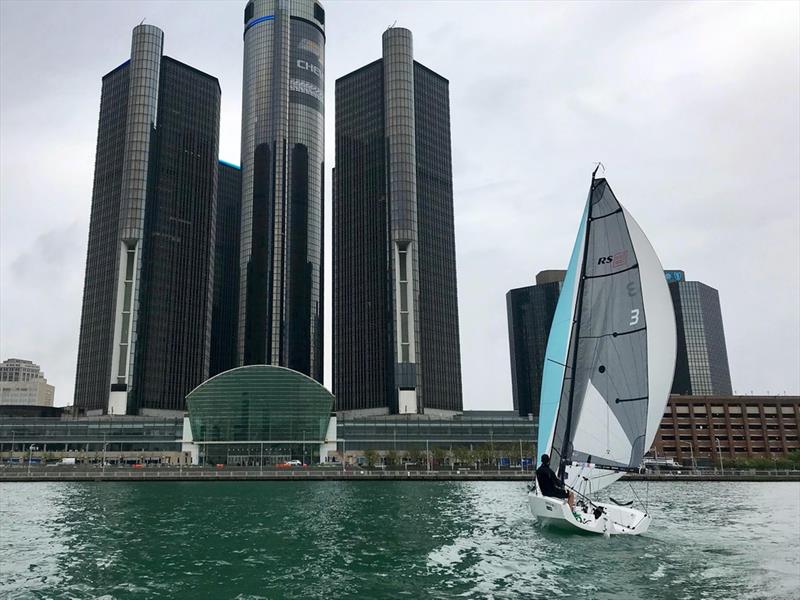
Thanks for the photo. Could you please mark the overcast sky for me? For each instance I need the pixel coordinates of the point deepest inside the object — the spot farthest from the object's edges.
(694, 108)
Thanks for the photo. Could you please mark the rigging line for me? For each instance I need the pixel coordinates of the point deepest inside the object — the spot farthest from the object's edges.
(633, 266)
(558, 363)
(562, 470)
(557, 442)
(637, 496)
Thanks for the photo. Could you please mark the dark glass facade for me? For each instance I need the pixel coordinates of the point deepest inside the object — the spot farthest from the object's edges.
(93, 375)
(701, 367)
(280, 315)
(145, 337)
(178, 251)
(224, 319)
(362, 333)
(395, 329)
(530, 315)
(439, 340)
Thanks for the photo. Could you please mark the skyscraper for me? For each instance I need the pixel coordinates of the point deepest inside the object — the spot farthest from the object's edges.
(530, 314)
(224, 321)
(701, 368)
(396, 338)
(280, 292)
(146, 317)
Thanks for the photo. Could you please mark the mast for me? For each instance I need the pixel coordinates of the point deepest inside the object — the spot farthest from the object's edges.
(562, 467)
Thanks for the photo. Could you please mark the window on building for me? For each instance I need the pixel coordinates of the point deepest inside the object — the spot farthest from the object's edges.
(319, 13)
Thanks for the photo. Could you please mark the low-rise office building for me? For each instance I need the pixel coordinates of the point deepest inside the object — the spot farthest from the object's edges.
(22, 383)
(703, 429)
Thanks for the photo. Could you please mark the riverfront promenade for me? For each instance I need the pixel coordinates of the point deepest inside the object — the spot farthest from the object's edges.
(156, 473)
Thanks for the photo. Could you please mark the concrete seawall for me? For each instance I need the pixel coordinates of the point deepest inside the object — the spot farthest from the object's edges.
(332, 474)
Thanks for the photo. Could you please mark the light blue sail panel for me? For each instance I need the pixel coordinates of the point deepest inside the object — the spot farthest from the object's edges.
(557, 346)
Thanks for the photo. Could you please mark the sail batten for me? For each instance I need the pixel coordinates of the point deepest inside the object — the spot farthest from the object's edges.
(611, 373)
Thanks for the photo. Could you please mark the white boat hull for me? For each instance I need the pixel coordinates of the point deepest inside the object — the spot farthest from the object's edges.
(614, 520)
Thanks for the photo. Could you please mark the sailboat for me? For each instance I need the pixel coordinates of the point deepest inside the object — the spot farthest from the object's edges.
(608, 368)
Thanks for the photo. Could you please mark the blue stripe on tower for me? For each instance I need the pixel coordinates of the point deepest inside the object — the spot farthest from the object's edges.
(257, 21)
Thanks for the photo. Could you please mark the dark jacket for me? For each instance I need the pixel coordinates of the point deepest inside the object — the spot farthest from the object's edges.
(549, 483)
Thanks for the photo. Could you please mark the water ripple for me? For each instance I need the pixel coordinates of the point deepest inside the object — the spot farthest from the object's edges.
(275, 540)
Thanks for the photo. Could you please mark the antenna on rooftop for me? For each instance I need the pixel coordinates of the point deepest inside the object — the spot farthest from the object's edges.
(142, 23)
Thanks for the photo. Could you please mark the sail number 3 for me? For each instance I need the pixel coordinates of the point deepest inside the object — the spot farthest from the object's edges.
(634, 317)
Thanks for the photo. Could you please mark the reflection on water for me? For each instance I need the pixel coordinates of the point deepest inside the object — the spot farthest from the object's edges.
(386, 540)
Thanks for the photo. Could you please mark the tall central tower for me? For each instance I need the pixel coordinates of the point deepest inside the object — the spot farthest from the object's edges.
(280, 297)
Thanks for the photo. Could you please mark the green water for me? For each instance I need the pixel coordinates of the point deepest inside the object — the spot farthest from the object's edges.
(386, 540)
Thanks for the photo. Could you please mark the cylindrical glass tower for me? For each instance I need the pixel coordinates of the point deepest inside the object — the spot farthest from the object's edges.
(280, 302)
(400, 124)
(145, 69)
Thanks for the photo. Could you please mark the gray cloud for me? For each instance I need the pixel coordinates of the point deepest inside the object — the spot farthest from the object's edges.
(693, 107)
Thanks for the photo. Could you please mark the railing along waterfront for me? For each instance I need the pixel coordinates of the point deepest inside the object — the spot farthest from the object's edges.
(44, 473)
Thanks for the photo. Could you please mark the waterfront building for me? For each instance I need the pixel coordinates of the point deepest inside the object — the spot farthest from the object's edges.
(22, 383)
(240, 414)
(704, 428)
(530, 313)
(402, 433)
(259, 414)
(146, 316)
(395, 309)
(125, 439)
(281, 246)
(224, 318)
(701, 368)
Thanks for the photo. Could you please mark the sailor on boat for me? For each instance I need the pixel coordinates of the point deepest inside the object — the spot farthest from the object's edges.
(550, 484)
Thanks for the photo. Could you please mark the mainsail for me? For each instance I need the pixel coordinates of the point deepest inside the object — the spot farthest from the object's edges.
(611, 351)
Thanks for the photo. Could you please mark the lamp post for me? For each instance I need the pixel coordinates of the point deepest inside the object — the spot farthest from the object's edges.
(104, 453)
(11, 454)
(428, 454)
(31, 448)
